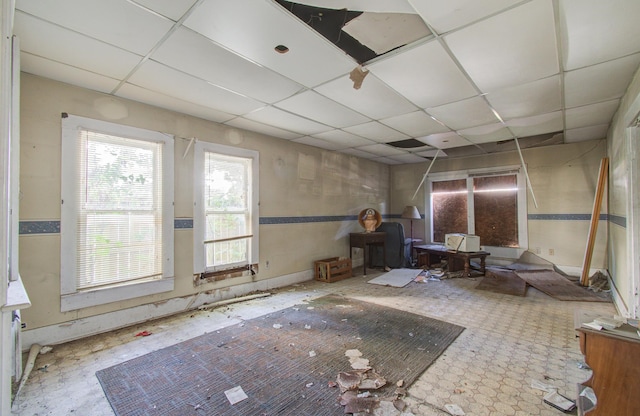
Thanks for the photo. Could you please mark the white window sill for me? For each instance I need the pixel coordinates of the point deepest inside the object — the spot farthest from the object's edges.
(96, 297)
(17, 297)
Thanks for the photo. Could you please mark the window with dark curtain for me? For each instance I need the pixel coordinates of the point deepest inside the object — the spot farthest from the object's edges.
(495, 200)
(449, 204)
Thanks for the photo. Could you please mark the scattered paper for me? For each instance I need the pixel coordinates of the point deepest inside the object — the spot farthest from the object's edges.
(454, 409)
(312, 353)
(539, 385)
(235, 395)
(592, 325)
(277, 326)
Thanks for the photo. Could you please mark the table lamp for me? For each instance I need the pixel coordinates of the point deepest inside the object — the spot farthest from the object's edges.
(411, 213)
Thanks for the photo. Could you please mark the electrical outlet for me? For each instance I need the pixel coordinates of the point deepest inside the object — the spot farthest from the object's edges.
(552, 252)
(537, 250)
(267, 264)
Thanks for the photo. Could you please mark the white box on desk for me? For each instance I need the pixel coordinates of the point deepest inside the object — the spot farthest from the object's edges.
(462, 242)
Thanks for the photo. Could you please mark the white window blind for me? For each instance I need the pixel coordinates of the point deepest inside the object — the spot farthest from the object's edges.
(119, 230)
(227, 205)
(117, 215)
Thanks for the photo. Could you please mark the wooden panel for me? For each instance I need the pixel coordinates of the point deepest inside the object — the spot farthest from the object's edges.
(616, 371)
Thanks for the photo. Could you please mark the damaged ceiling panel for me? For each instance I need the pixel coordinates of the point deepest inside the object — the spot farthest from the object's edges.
(392, 81)
(361, 33)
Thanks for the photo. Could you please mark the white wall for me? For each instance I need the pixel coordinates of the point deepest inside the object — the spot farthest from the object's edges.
(307, 203)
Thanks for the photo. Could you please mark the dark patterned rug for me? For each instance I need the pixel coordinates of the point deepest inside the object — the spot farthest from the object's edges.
(284, 361)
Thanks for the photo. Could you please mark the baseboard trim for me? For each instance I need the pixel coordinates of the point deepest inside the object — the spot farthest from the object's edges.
(93, 325)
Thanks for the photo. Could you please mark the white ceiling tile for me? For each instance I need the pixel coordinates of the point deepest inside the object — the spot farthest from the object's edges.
(382, 32)
(53, 42)
(407, 158)
(425, 74)
(432, 153)
(444, 140)
(173, 9)
(382, 149)
(133, 92)
(595, 31)
(374, 98)
(485, 134)
(444, 16)
(243, 123)
(532, 126)
(253, 28)
(602, 82)
(476, 113)
(589, 115)
(343, 138)
(417, 123)
(376, 132)
(586, 133)
(118, 22)
(511, 48)
(287, 121)
(312, 105)
(157, 77)
(64, 73)
(537, 97)
(194, 54)
(322, 144)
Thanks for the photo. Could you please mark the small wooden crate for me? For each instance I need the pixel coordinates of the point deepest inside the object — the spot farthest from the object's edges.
(333, 269)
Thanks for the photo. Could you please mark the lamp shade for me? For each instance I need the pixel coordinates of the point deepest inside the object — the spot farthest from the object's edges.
(411, 212)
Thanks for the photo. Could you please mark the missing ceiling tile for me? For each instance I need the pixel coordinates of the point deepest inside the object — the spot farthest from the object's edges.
(408, 144)
(361, 34)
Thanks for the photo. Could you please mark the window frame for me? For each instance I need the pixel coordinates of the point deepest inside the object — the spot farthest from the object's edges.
(199, 221)
(523, 239)
(71, 298)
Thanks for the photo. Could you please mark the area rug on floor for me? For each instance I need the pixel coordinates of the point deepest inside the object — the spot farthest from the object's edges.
(282, 361)
(559, 287)
(396, 277)
(502, 281)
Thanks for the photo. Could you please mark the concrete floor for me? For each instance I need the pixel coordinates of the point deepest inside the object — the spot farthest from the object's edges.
(509, 341)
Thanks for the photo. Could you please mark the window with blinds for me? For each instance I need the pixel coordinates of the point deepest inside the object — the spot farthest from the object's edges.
(119, 227)
(225, 221)
(227, 213)
(117, 214)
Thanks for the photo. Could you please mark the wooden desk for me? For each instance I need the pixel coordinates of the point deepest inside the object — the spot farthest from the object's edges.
(457, 260)
(365, 241)
(613, 358)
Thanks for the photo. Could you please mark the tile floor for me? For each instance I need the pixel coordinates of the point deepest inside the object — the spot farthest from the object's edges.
(487, 371)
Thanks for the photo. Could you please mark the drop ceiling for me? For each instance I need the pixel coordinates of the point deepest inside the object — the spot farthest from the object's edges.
(478, 75)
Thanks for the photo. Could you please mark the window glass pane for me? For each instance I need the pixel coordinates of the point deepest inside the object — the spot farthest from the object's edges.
(449, 204)
(227, 180)
(496, 210)
(120, 218)
(227, 252)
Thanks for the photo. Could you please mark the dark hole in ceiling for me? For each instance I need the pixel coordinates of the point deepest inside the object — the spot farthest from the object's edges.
(407, 144)
(329, 23)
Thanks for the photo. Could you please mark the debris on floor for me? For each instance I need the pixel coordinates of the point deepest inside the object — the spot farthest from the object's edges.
(356, 388)
(45, 349)
(235, 395)
(559, 402)
(599, 282)
(143, 334)
(454, 409)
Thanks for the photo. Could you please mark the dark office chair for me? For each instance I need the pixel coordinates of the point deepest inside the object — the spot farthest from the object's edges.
(396, 247)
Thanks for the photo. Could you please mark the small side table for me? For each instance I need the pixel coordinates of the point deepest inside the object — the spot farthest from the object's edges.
(364, 241)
